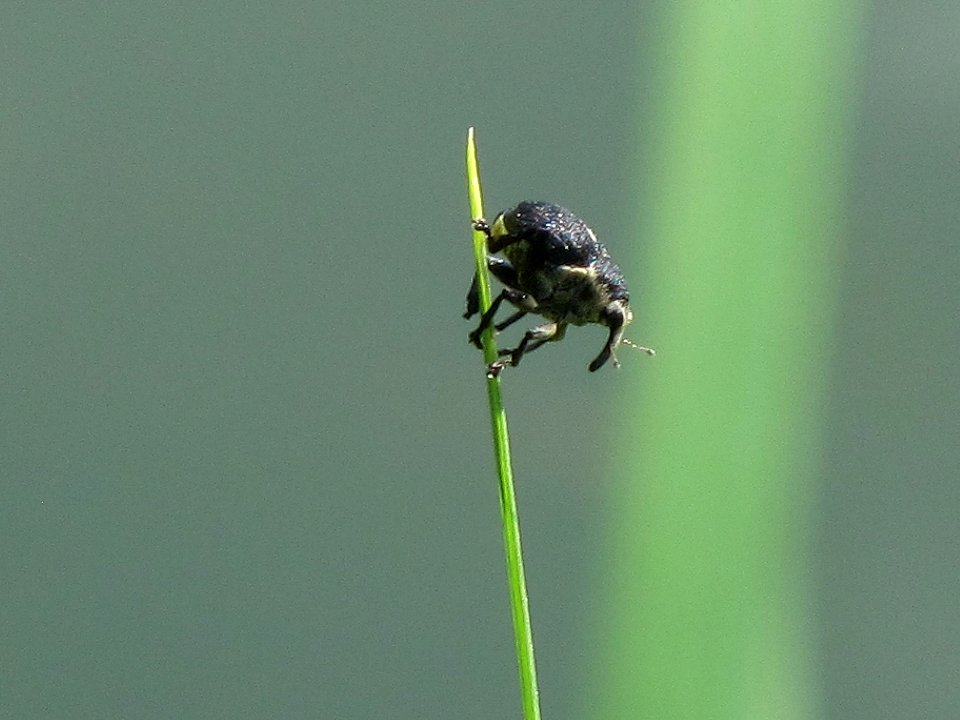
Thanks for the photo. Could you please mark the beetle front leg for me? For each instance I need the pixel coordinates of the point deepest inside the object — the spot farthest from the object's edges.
(473, 294)
(481, 225)
(502, 270)
(473, 299)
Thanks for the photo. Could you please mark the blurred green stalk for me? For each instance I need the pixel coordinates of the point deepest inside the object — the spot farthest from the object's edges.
(708, 601)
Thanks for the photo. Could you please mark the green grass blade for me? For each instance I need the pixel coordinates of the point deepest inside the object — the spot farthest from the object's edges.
(523, 632)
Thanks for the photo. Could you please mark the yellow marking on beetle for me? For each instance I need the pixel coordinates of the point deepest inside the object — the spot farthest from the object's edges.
(498, 229)
(588, 272)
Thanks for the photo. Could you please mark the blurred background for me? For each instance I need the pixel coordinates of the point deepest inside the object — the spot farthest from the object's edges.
(244, 447)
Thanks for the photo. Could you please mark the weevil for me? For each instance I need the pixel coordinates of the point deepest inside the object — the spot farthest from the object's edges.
(552, 265)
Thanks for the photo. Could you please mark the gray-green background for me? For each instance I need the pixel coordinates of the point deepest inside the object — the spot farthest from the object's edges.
(243, 445)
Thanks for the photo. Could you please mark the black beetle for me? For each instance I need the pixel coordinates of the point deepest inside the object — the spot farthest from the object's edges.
(554, 266)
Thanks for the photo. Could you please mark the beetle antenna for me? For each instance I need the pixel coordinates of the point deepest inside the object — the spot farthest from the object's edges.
(649, 351)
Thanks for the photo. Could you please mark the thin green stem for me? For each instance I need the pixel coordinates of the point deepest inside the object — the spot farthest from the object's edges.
(522, 630)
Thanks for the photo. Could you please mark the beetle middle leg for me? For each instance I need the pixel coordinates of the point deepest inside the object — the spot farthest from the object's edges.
(511, 320)
(514, 296)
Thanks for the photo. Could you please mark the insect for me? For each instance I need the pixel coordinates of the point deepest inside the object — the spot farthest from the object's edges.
(554, 266)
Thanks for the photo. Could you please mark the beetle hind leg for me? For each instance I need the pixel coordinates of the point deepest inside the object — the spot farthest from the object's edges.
(534, 338)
